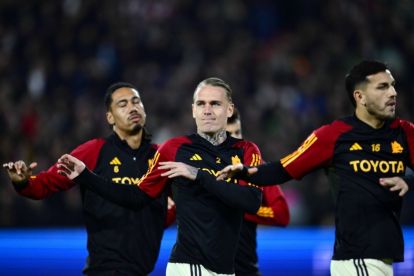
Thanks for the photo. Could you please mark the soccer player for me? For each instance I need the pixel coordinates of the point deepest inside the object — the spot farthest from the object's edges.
(367, 153)
(209, 212)
(120, 241)
(274, 210)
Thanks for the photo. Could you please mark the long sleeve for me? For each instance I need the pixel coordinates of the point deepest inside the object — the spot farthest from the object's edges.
(129, 196)
(48, 182)
(315, 152)
(247, 198)
(269, 174)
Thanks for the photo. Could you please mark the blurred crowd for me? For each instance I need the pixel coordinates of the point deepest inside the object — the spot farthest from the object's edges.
(285, 60)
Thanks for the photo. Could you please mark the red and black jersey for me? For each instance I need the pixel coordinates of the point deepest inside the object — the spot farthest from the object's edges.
(357, 156)
(119, 239)
(208, 224)
(209, 212)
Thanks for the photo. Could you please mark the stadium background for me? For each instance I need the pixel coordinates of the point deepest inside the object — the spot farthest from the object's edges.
(285, 61)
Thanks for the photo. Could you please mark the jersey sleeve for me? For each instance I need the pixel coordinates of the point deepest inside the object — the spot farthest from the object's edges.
(152, 183)
(48, 182)
(409, 134)
(238, 194)
(134, 197)
(315, 152)
(274, 209)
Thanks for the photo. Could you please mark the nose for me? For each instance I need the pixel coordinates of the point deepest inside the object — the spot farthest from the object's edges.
(133, 107)
(393, 91)
(207, 109)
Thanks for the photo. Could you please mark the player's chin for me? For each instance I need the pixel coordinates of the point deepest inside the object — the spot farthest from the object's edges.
(137, 128)
(388, 116)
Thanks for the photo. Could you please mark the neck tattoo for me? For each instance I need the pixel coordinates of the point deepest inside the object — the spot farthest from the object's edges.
(217, 138)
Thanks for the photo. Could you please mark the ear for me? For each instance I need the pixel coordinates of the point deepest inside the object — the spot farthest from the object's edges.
(230, 110)
(359, 97)
(110, 118)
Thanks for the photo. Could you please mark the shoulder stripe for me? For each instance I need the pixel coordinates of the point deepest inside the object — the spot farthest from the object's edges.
(151, 168)
(291, 157)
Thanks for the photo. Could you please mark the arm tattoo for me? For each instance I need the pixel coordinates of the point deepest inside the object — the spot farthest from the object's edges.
(193, 171)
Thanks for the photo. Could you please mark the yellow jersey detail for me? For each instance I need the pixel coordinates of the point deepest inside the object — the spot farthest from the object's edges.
(115, 161)
(266, 212)
(235, 160)
(382, 166)
(150, 168)
(291, 157)
(255, 160)
(196, 157)
(355, 146)
(396, 147)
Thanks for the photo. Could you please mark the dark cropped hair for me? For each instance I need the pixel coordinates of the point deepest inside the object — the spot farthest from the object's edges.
(111, 89)
(234, 118)
(216, 82)
(359, 73)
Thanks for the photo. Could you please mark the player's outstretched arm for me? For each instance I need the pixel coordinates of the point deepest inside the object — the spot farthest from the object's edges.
(176, 169)
(263, 175)
(236, 171)
(247, 198)
(124, 195)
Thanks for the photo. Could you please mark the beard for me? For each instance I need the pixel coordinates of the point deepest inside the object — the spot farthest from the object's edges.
(380, 114)
(136, 129)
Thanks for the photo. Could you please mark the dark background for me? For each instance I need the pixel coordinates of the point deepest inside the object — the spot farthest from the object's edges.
(285, 60)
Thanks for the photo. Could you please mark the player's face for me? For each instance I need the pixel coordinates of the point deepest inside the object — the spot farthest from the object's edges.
(379, 96)
(127, 113)
(211, 108)
(235, 129)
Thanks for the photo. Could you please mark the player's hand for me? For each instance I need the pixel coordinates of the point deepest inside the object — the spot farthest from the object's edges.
(70, 166)
(232, 170)
(395, 184)
(175, 169)
(18, 171)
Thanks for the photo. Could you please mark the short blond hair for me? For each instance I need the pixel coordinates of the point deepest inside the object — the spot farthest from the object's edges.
(215, 82)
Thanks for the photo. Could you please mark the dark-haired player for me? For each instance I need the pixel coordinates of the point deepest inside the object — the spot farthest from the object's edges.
(120, 241)
(367, 153)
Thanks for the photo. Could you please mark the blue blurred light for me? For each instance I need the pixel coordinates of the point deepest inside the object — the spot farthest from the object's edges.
(290, 251)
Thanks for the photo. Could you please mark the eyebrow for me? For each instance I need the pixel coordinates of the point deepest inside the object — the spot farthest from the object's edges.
(211, 102)
(125, 100)
(386, 83)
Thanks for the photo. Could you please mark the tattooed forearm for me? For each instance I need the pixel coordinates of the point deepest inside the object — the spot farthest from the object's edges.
(193, 172)
(217, 138)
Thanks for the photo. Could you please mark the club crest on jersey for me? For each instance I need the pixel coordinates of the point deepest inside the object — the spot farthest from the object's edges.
(396, 147)
(355, 146)
(235, 160)
(196, 157)
(116, 163)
